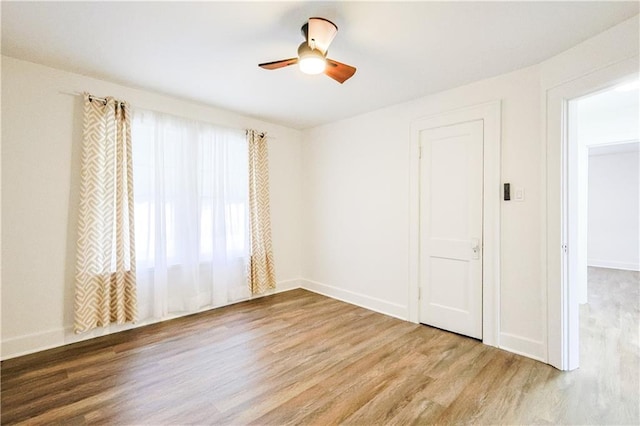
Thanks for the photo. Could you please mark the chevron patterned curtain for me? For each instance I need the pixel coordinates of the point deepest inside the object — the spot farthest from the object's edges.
(261, 265)
(105, 288)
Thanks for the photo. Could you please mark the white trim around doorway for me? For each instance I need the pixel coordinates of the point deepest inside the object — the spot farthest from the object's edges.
(562, 303)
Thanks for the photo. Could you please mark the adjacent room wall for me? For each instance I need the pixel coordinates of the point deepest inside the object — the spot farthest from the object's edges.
(607, 119)
(614, 227)
(41, 144)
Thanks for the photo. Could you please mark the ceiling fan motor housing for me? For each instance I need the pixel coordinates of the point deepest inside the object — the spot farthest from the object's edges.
(305, 50)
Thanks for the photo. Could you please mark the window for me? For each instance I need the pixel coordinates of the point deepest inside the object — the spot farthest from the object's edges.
(191, 213)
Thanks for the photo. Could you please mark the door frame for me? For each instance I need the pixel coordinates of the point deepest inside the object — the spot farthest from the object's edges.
(562, 317)
(490, 114)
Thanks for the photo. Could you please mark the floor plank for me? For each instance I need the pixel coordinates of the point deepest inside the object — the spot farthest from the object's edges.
(301, 358)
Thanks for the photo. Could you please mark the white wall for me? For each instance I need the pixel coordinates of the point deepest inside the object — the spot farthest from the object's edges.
(354, 210)
(356, 204)
(356, 201)
(41, 144)
(605, 49)
(614, 216)
(596, 64)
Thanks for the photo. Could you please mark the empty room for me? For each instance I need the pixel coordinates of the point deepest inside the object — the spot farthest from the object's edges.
(312, 213)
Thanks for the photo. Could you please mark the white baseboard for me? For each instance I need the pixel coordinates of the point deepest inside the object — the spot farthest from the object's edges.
(523, 346)
(613, 264)
(29, 343)
(36, 342)
(287, 285)
(512, 343)
(358, 299)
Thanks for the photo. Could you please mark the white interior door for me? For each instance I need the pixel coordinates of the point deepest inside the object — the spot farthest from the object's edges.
(451, 227)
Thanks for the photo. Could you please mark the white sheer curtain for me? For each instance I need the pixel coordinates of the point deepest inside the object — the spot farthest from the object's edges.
(191, 214)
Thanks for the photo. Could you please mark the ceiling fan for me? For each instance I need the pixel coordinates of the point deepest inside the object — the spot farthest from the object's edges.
(312, 53)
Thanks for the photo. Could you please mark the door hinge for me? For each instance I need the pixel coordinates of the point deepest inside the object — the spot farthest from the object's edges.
(419, 293)
(419, 152)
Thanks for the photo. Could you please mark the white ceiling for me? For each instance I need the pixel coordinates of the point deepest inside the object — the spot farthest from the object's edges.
(208, 51)
(611, 104)
(610, 116)
(614, 148)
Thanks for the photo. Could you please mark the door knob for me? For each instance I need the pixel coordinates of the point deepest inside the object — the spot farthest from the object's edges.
(475, 247)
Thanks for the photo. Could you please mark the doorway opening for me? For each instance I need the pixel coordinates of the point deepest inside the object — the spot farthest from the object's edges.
(601, 221)
(562, 325)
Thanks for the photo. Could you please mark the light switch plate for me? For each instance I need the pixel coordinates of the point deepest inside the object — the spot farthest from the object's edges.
(519, 194)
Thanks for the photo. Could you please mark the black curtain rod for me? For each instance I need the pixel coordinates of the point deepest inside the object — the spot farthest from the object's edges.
(262, 135)
(103, 100)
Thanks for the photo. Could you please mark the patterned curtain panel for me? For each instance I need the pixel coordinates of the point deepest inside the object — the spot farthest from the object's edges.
(261, 266)
(105, 290)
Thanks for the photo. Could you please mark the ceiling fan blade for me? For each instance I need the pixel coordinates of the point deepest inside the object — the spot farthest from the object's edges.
(279, 64)
(320, 34)
(338, 71)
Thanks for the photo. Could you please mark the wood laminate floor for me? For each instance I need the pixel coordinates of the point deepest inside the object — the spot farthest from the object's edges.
(301, 358)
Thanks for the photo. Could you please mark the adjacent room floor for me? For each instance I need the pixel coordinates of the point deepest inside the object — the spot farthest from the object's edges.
(609, 343)
(301, 358)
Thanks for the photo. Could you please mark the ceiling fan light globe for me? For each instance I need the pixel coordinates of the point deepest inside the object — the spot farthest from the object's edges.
(312, 64)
